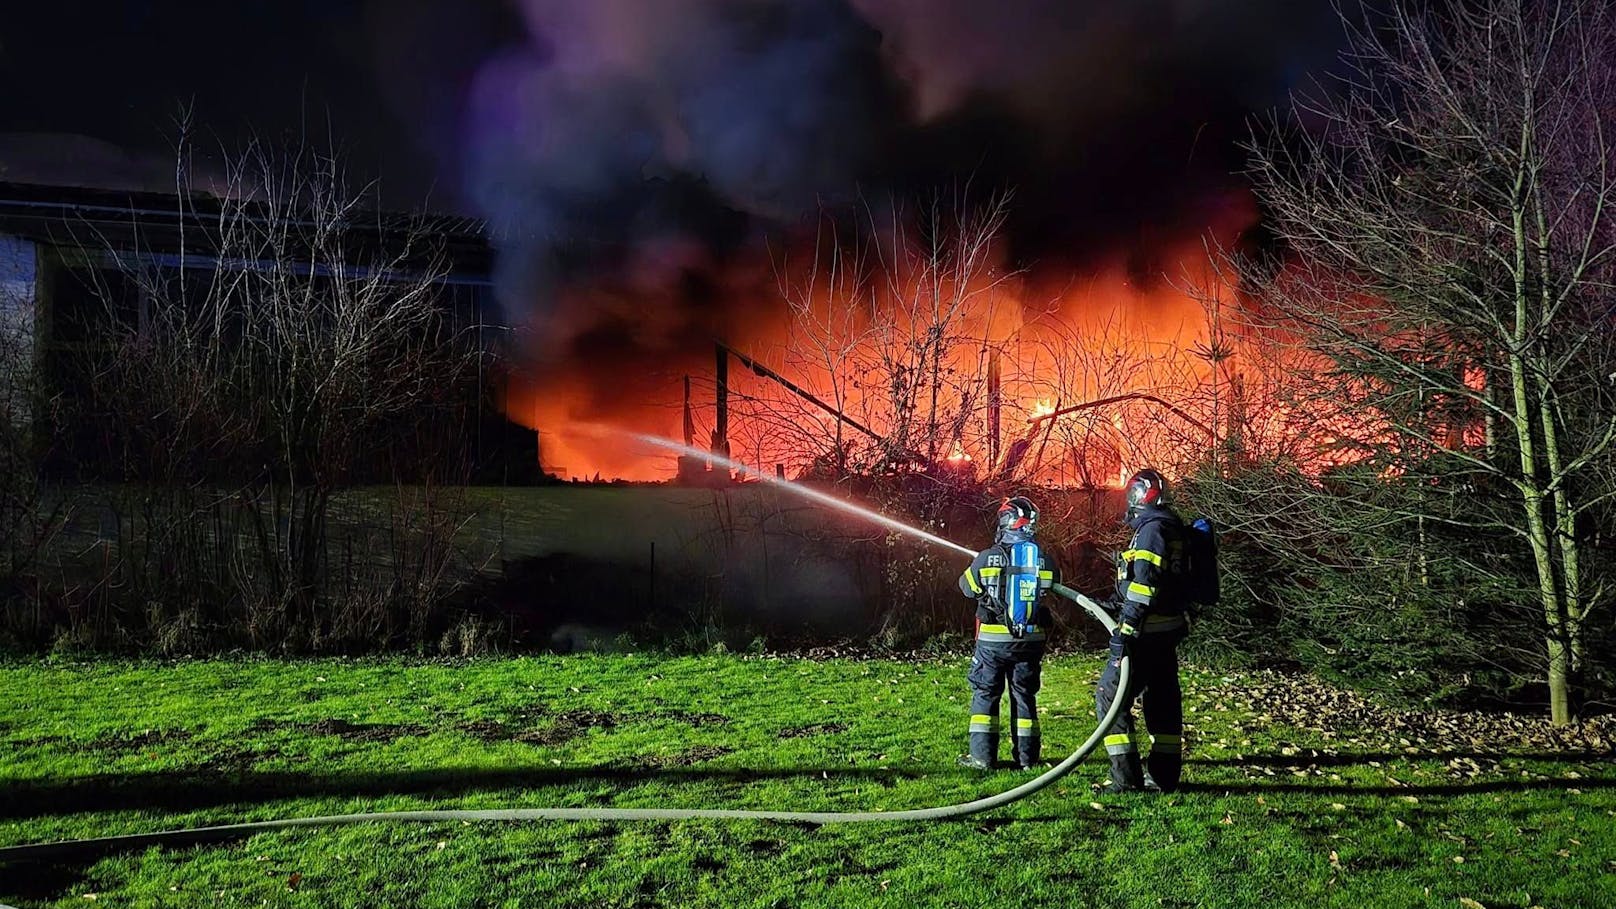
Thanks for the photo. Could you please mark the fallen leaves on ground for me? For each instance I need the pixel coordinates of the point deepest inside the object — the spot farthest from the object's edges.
(1275, 698)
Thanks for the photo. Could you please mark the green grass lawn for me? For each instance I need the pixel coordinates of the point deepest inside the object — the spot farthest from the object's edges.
(1298, 794)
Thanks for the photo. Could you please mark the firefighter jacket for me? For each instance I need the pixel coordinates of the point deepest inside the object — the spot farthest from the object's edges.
(983, 581)
(1150, 572)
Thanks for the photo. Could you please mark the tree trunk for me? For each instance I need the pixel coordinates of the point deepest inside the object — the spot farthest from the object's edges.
(1534, 502)
(1566, 548)
(1553, 610)
(1530, 482)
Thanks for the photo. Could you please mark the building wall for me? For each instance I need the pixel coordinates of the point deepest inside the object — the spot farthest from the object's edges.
(19, 285)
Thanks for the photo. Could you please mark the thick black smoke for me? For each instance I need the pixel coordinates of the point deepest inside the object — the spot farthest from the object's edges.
(621, 125)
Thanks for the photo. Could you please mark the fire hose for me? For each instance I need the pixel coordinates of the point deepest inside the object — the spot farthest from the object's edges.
(37, 851)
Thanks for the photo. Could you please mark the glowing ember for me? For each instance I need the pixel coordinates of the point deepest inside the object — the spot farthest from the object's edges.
(1043, 408)
(958, 455)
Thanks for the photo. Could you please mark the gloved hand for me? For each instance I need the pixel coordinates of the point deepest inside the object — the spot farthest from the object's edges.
(1121, 640)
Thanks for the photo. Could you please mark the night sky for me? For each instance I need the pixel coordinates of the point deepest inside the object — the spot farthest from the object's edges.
(93, 89)
(780, 103)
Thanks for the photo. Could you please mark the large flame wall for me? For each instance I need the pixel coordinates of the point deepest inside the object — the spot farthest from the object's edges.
(611, 354)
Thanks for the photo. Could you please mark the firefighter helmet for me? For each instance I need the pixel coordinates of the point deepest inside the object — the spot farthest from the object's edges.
(1018, 517)
(1147, 487)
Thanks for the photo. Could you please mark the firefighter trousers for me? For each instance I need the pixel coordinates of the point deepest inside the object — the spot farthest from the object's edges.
(1153, 681)
(995, 666)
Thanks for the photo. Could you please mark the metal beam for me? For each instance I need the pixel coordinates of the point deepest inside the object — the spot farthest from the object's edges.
(1130, 396)
(797, 390)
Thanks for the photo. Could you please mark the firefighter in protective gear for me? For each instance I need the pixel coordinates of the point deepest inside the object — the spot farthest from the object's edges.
(1007, 580)
(1150, 604)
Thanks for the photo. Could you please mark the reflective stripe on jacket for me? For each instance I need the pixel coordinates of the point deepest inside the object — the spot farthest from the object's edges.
(1150, 572)
(983, 580)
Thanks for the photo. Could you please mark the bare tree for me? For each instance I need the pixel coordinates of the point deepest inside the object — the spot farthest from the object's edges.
(1448, 213)
(938, 281)
(284, 353)
(1111, 398)
(883, 375)
(833, 314)
(890, 329)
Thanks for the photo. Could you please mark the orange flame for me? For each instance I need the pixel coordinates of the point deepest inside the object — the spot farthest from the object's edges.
(1107, 348)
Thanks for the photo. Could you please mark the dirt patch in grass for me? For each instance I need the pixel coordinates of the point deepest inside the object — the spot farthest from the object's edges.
(530, 726)
(568, 726)
(564, 727)
(766, 847)
(488, 730)
(240, 760)
(364, 732)
(688, 757)
(555, 735)
(812, 729)
(345, 730)
(706, 864)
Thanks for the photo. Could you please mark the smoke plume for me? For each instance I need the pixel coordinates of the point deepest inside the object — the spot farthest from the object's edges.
(641, 162)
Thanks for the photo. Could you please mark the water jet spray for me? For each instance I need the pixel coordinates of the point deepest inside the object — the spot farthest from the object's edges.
(808, 492)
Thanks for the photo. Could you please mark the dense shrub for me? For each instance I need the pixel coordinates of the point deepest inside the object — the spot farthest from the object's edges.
(1418, 592)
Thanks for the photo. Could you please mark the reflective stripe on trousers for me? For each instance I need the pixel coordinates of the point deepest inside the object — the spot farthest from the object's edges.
(1154, 680)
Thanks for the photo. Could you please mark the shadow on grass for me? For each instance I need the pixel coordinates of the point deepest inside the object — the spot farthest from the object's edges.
(201, 788)
(180, 791)
(43, 882)
(57, 877)
(52, 877)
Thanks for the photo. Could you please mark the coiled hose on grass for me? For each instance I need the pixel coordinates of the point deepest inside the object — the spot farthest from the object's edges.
(36, 851)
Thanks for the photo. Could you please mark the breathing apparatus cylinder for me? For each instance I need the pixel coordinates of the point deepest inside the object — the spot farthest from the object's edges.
(1021, 587)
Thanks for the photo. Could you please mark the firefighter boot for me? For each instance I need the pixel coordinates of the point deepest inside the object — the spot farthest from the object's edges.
(1126, 774)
